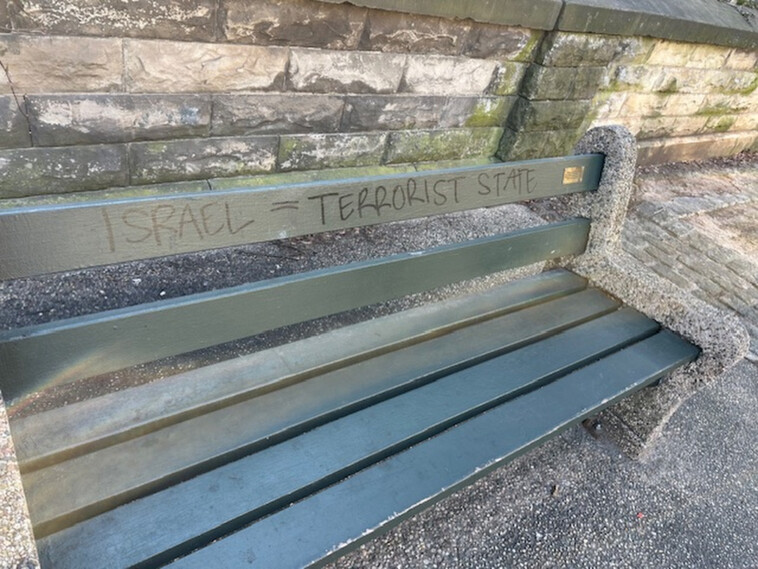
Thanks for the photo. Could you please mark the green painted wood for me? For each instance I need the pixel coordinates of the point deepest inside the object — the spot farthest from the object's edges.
(349, 513)
(46, 239)
(75, 429)
(173, 522)
(116, 474)
(94, 344)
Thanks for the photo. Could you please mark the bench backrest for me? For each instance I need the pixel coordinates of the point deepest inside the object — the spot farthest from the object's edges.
(52, 238)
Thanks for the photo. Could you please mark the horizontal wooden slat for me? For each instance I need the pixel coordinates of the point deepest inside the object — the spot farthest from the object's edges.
(47, 239)
(377, 498)
(76, 429)
(174, 521)
(109, 477)
(90, 345)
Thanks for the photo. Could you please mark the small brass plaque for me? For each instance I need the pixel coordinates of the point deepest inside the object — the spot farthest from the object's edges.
(573, 175)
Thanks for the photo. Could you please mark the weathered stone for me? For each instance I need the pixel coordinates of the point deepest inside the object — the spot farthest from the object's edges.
(442, 75)
(36, 171)
(5, 19)
(176, 19)
(718, 124)
(669, 53)
(300, 177)
(170, 67)
(548, 115)
(743, 60)
(476, 111)
(429, 145)
(318, 151)
(156, 162)
(563, 49)
(60, 65)
(291, 22)
(398, 32)
(723, 105)
(683, 104)
(60, 120)
(746, 122)
(536, 14)
(527, 145)
(609, 105)
(684, 80)
(681, 149)
(507, 79)
(275, 113)
(694, 21)
(644, 105)
(563, 83)
(657, 127)
(324, 71)
(392, 112)
(499, 42)
(709, 57)
(13, 123)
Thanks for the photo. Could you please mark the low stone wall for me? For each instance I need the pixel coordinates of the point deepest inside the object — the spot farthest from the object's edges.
(97, 96)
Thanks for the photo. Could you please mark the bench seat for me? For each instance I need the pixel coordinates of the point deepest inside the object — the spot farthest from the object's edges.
(330, 439)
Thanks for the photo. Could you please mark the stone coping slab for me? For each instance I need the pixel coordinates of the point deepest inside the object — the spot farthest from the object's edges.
(700, 21)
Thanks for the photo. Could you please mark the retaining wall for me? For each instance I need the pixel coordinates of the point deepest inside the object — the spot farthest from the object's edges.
(112, 94)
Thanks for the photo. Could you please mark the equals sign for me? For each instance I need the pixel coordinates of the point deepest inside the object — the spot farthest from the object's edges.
(276, 206)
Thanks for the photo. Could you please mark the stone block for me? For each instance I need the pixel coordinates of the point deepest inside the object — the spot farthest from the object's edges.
(746, 122)
(170, 67)
(411, 33)
(442, 75)
(743, 60)
(548, 115)
(323, 71)
(39, 64)
(291, 22)
(724, 105)
(507, 79)
(709, 57)
(722, 123)
(61, 120)
(528, 145)
(671, 54)
(176, 160)
(392, 112)
(319, 151)
(657, 127)
(476, 111)
(683, 104)
(681, 149)
(644, 105)
(38, 171)
(274, 113)
(609, 105)
(499, 42)
(566, 49)
(5, 18)
(563, 83)
(176, 19)
(13, 124)
(433, 145)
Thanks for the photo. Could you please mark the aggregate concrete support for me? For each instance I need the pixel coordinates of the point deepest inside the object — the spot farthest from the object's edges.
(639, 419)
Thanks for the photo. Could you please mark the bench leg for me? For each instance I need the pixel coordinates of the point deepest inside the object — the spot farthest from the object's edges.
(17, 547)
(638, 420)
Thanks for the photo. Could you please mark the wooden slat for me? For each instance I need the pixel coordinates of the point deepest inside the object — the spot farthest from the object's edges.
(78, 428)
(109, 477)
(194, 513)
(377, 498)
(99, 343)
(47, 239)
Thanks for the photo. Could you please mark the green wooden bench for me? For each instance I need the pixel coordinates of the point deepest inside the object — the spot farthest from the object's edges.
(293, 455)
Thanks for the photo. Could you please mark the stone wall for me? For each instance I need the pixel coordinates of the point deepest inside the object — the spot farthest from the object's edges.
(97, 95)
